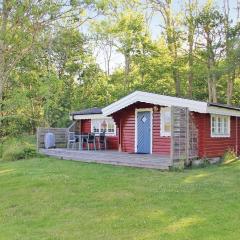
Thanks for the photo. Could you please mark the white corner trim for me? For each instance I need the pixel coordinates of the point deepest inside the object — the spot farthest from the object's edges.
(162, 132)
(229, 127)
(151, 127)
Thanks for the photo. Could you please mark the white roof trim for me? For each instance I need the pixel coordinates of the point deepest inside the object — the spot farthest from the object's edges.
(157, 99)
(162, 100)
(89, 116)
(223, 111)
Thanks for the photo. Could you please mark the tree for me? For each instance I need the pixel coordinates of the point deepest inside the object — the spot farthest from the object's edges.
(231, 32)
(171, 28)
(210, 25)
(190, 22)
(24, 23)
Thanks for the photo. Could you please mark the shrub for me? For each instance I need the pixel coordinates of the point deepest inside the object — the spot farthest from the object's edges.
(18, 148)
(178, 167)
(229, 156)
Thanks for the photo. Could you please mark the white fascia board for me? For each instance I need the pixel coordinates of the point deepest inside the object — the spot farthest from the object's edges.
(90, 116)
(223, 111)
(156, 99)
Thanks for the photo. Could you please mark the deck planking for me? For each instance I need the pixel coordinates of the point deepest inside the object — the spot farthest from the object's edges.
(111, 157)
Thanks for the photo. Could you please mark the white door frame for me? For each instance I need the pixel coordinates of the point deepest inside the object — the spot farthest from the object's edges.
(151, 125)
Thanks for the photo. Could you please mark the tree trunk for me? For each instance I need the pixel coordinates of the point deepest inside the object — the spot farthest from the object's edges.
(230, 76)
(177, 82)
(214, 89)
(126, 71)
(230, 84)
(164, 7)
(212, 81)
(190, 61)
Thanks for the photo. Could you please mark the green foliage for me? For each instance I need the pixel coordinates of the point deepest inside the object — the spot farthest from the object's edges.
(178, 166)
(18, 148)
(229, 156)
(53, 70)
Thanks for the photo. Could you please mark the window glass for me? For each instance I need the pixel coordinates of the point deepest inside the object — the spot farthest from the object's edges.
(165, 122)
(111, 127)
(103, 125)
(95, 126)
(220, 126)
(225, 126)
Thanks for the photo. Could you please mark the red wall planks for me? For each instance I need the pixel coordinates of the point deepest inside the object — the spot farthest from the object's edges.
(86, 126)
(207, 145)
(160, 145)
(214, 146)
(112, 141)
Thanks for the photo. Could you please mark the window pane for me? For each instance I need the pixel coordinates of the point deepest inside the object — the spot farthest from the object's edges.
(166, 121)
(103, 126)
(220, 125)
(111, 127)
(95, 126)
(225, 127)
(214, 125)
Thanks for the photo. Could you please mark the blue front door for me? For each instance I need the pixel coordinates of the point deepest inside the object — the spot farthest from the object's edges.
(144, 132)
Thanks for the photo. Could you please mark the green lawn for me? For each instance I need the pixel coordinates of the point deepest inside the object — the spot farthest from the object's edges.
(53, 199)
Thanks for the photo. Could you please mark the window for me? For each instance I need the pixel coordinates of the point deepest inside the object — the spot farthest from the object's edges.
(220, 126)
(165, 122)
(103, 125)
(95, 126)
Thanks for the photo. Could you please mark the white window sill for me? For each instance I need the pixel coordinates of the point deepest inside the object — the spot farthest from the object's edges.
(165, 135)
(220, 136)
(107, 134)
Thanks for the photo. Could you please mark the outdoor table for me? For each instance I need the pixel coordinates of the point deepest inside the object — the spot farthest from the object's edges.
(81, 138)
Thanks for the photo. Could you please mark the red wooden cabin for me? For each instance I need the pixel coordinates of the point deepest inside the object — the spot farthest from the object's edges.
(142, 123)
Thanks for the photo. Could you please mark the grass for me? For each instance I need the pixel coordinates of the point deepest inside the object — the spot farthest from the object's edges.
(45, 198)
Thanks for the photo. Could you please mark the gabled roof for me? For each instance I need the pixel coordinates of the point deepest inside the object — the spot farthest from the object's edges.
(168, 101)
(88, 111)
(224, 106)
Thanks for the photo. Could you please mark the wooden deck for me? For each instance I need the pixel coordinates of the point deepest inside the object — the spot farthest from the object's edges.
(111, 157)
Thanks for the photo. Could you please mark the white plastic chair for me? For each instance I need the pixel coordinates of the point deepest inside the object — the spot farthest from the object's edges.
(71, 140)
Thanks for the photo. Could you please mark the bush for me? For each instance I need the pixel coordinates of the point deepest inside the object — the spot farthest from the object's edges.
(229, 156)
(18, 148)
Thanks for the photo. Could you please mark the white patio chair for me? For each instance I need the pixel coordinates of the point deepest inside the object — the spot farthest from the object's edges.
(72, 143)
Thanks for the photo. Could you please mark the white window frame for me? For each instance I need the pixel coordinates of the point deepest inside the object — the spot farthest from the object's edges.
(219, 135)
(163, 133)
(100, 120)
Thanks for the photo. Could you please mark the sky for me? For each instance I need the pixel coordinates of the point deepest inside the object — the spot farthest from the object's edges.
(118, 60)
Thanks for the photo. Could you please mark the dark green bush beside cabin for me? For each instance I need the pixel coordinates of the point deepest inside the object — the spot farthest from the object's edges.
(21, 147)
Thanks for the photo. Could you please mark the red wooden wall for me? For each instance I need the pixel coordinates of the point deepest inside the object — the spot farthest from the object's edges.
(207, 145)
(161, 145)
(126, 118)
(214, 146)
